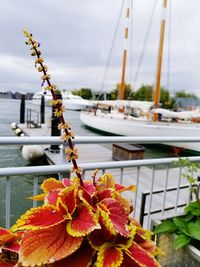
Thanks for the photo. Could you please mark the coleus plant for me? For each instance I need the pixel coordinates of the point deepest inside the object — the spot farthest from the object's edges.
(81, 223)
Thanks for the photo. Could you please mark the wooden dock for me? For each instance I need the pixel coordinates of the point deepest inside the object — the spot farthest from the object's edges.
(87, 152)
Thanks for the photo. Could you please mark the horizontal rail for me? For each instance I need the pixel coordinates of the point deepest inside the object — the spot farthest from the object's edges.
(95, 139)
(89, 166)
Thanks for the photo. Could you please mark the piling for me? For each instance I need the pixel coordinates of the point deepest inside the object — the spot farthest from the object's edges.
(54, 127)
(22, 109)
(42, 110)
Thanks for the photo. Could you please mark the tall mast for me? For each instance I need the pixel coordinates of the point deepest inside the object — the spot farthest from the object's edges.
(124, 54)
(160, 55)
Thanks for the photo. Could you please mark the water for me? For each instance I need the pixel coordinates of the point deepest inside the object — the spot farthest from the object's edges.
(10, 156)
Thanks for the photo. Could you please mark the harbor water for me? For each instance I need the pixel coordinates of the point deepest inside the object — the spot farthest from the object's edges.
(10, 156)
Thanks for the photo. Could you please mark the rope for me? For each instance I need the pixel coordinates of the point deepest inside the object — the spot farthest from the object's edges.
(112, 45)
(144, 43)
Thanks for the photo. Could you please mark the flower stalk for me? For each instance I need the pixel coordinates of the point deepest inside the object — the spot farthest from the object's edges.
(71, 152)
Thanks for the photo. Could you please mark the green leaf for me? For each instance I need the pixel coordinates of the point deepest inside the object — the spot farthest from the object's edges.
(191, 206)
(181, 225)
(181, 241)
(188, 217)
(165, 227)
(196, 212)
(194, 229)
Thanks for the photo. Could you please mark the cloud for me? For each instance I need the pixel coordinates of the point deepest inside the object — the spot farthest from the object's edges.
(76, 37)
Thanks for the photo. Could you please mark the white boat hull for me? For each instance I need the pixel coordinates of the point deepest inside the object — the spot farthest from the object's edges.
(119, 126)
(76, 104)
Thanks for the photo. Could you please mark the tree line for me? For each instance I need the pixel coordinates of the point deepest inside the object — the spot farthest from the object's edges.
(144, 93)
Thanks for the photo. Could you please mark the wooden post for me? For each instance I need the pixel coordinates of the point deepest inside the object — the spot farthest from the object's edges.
(42, 110)
(122, 84)
(22, 109)
(160, 55)
(54, 127)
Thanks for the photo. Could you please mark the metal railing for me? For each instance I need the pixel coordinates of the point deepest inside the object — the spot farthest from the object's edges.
(32, 118)
(145, 173)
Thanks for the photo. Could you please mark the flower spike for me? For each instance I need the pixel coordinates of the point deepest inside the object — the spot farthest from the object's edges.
(59, 109)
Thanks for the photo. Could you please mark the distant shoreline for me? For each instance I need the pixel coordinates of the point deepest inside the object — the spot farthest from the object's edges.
(15, 95)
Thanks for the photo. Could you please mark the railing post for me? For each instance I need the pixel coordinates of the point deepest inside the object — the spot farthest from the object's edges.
(22, 109)
(42, 110)
(142, 209)
(54, 127)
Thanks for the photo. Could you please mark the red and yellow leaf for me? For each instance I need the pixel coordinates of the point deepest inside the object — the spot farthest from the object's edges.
(52, 197)
(105, 193)
(39, 217)
(68, 198)
(87, 199)
(89, 187)
(7, 264)
(67, 182)
(140, 256)
(14, 247)
(3, 231)
(51, 184)
(121, 188)
(80, 258)
(47, 245)
(113, 216)
(109, 256)
(98, 237)
(126, 204)
(141, 233)
(83, 223)
(40, 197)
(106, 181)
(9, 240)
(150, 246)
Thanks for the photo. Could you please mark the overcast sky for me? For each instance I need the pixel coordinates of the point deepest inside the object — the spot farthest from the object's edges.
(76, 37)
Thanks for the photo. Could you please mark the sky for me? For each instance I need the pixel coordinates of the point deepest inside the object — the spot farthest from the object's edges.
(76, 37)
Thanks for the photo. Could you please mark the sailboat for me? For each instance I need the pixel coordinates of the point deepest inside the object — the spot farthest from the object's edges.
(150, 122)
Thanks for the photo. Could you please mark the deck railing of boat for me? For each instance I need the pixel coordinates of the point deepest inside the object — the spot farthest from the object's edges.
(150, 179)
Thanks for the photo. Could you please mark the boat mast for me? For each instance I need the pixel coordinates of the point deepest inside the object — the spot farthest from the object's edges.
(122, 84)
(160, 55)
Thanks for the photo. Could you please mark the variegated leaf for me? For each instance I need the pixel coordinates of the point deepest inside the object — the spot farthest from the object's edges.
(39, 217)
(140, 257)
(98, 237)
(106, 181)
(113, 216)
(80, 258)
(52, 197)
(84, 222)
(51, 184)
(68, 198)
(109, 256)
(67, 182)
(47, 245)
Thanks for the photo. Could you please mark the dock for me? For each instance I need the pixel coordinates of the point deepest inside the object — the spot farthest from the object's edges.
(87, 153)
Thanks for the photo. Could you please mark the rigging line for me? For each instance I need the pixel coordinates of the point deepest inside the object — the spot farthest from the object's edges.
(112, 45)
(144, 43)
(169, 48)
